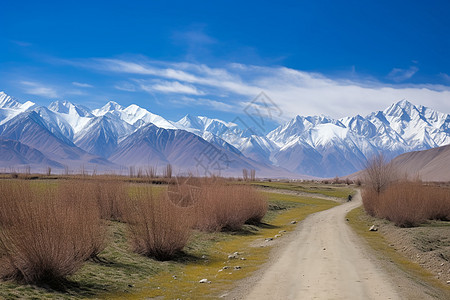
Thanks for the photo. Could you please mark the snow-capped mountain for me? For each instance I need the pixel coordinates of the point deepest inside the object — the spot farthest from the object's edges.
(133, 115)
(322, 146)
(10, 107)
(114, 137)
(217, 131)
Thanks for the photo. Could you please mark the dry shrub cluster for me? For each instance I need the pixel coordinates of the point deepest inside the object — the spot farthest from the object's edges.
(403, 202)
(158, 228)
(215, 206)
(409, 203)
(110, 196)
(46, 232)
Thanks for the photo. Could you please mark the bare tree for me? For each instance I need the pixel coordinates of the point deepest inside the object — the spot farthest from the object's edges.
(252, 174)
(151, 172)
(378, 173)
(167, 172)
(245, 174)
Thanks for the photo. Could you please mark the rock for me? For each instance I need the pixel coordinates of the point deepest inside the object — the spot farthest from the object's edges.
(282, 231)
(243, 258)
(293, 222)
(373, 228)
(204, 280)
(203, 256)
(226, 267)
(269, 239)
(130, 285)
(174, 277)
(277, 235)
(234, 255)
(324, 248)
(347, 220)
(237, 268)
(448, 281)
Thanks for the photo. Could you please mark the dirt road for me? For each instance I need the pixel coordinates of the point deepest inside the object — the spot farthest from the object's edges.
(324, 260)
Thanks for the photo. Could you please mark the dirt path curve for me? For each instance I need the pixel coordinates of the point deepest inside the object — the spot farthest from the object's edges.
(324, 261)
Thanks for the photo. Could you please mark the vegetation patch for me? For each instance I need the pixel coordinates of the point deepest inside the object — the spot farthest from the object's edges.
(330, 190)
(110, 268)
(385, 249)
(222, 258)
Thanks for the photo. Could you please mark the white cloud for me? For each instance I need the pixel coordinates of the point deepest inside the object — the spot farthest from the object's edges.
(216, 105)
(445, 76)
(295, 92)
(35, 88)
(171, 87)
(81, 84)
(125, 86)
(399, 75)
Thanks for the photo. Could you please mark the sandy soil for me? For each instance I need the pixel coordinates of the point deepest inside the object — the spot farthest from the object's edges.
(324, 259)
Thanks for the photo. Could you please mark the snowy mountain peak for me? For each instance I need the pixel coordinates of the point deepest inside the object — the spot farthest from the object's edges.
(66, 107)
(111, 106)
(7, 101)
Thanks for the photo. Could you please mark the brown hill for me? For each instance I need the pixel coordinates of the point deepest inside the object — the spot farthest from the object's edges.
(429, 165)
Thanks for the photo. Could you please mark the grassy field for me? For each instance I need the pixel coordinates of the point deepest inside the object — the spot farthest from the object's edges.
(330, 190)
(360, 222)
(120, 273)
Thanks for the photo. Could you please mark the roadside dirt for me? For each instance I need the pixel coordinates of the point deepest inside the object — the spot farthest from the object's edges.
(324, 259)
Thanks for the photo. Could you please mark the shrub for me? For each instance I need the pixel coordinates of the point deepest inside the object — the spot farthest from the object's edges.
(158, 228)
(408, 203)
(45, 236)
(110, 195)
(229, 207)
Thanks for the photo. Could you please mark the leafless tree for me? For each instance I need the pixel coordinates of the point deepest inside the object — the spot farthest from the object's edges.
(167, 173)
(378, 173)
(245, 174)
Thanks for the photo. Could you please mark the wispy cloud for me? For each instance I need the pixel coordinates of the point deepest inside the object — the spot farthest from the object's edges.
(399, 75)
(445, 76)
(125, 86)
(38, 89)
(294, 91)
(22, 43)
(171, 87)
(83, 85)
(216, 105)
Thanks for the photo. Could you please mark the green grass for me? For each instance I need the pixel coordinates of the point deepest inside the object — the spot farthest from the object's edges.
(330, 190)
(217, 246)
(120, 273)
(360, 222)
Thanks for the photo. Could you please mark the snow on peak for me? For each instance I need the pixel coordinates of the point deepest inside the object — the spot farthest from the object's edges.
(133, 115)
(111, 106)
(7, 101)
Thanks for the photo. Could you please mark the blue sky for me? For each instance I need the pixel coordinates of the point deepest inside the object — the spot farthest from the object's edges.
(214, 57)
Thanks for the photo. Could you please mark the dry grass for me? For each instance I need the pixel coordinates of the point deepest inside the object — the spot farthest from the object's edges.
(46, 232)
(215, 205)
(110, 195)
(409, 203)
(158, 228)
(228, 207)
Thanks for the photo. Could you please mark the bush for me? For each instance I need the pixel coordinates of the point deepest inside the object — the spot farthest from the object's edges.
(409, 203)
(228, 207)
(158, 228)
(45, 234)
(110, 195)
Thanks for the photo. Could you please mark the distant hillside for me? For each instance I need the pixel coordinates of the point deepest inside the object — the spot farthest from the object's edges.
(429, 165)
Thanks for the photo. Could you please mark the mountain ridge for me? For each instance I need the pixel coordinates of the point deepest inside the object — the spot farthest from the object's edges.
(317, 146)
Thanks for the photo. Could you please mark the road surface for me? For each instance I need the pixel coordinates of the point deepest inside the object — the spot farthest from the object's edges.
(325, 260)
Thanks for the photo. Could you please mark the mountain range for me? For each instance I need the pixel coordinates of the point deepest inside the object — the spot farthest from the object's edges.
(113, 138)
